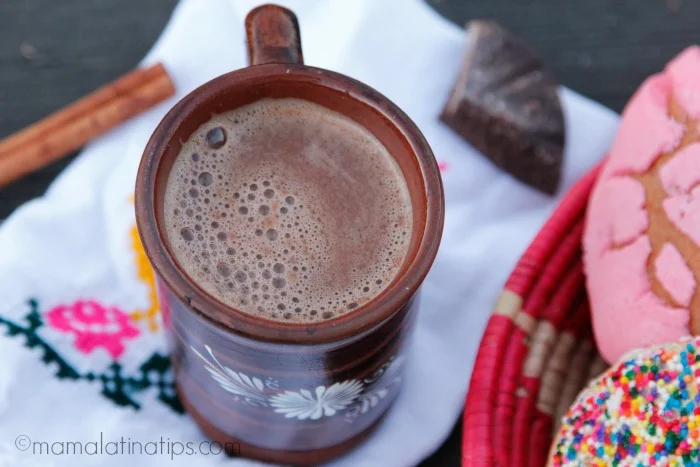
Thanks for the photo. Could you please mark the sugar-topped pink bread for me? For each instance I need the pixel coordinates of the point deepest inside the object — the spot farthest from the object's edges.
(642, 237)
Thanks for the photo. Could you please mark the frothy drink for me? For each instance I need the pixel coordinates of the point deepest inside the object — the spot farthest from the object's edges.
(287, 210)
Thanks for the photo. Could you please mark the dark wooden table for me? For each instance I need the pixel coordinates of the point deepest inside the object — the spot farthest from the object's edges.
(52, 52)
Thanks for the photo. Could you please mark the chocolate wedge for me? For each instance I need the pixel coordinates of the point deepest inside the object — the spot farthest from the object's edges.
(506, 105)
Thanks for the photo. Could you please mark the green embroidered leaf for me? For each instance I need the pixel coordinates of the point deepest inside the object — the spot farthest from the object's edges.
(33, 340)
(173, 402)
(157, 363)
(114, 387)
(33, 318)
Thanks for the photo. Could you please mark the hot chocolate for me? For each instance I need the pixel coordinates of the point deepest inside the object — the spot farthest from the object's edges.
(287, 210)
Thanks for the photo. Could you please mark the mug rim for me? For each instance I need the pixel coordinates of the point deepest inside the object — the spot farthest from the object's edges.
(228, 318)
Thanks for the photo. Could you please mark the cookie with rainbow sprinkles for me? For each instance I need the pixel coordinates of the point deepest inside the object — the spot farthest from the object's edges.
(643, 411)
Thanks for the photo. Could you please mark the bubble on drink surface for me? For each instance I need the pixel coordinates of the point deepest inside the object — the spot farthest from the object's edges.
(289, 200)
(271, 234)
(241, 276)
(195, 157)
(187, 234)
(258, 232)
(269, 193)
(224, 269)
(251, 196)
(266, 274)
(253, 187)
(264, 210)
(205, 179)
(278, 268)
(214, 225)
(230, 251)
(284, 210)
(243, 210)
(216, 137)
(278, 283)
(194, 193)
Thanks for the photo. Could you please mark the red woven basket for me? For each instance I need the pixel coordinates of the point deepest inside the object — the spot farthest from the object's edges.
(537, 351)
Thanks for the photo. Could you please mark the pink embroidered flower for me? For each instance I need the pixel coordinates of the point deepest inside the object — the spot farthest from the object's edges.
(93, 325)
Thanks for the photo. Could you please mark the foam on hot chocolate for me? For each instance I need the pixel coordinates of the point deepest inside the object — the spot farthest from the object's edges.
(287, 210)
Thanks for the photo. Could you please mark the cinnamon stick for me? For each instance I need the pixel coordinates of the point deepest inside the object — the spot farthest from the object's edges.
(70, 128)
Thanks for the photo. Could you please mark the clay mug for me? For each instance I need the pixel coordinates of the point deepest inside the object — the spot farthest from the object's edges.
(285, 392)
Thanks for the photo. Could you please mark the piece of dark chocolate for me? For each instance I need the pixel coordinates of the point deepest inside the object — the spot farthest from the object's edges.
(506, 104)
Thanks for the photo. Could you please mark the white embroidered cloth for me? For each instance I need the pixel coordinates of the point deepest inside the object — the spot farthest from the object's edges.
(83, 359)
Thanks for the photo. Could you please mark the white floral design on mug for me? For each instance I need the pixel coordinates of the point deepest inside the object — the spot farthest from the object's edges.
(248, 390)
(352, 397)
(305, 404)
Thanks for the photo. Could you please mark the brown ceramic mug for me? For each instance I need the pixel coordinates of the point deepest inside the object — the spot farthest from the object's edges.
(285, 392)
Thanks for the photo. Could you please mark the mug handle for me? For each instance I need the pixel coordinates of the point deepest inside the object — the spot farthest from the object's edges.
(273, 36)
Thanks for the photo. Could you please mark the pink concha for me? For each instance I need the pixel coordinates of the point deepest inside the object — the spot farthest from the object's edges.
(682, 173)
(626, 314)
(624, 266)
(684, 73)
(645, 130)
(674, 275)
(620, 222)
